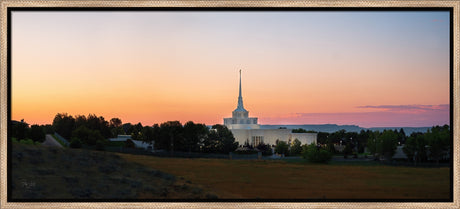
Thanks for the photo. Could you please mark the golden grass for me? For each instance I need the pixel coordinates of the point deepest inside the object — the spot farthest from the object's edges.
(282, 180)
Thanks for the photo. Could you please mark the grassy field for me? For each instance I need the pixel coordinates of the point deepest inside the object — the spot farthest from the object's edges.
(40, 172)
(61, 173)
(252, 179)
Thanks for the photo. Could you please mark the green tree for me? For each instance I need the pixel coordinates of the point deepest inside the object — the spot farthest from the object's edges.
(75, 143)
(223, 138)
(115, 126)
(282, 147)
(64, 124)
(80, 120)
(415, 148)
(316, 154)
(438, 141)
(296, 148)
(373, 142)
(265, 149)
(401, 136)
(171, 136)
(147, 134)
(88, 136)
(37, 134)
(136, 132)
(19, 130)
(194, 134)
(330, 148)
(48, 129)
(299, 130)
(388, 144)
(323, 138)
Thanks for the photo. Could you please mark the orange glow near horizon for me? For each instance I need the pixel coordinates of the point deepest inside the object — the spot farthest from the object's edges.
(185, 67)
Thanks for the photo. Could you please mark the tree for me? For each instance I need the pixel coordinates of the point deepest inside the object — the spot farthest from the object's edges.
(37, 134)
(265, 149)
(315, 154)
(401, 136)
(136, 131)
(223, 139)
(115, 126)
(147, 134)
(282, 148)
(437, 140)
(415, 147)
(80, 120)
(19, 130)
(348, 150)
(88, 136)
(48, 129)
(127, 128)
(296, 148)
(75, 143)
(64, 124)
(323, 138)
(330, 148)
(171, 133)
(361, 140)
(194, 135)
(388, 144)
(299, 130)
(115, 122)
(373, 142)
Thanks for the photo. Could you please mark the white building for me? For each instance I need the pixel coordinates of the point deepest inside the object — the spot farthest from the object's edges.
(137, 143)
(245, 128)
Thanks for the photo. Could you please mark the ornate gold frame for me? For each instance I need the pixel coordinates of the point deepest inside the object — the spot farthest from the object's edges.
(5, 4)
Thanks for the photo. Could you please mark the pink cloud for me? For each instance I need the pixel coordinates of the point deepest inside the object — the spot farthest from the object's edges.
(383, 116)
(407, 108)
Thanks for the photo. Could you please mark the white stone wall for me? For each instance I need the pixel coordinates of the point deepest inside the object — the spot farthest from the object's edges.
(271, 135)
(243, 126)
(305, 138)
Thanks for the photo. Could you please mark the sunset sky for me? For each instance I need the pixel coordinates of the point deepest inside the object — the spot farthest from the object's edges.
(372, 69)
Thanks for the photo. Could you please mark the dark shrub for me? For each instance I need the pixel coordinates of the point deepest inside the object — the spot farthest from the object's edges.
(246, 152)
(316, 154)
(75, 143)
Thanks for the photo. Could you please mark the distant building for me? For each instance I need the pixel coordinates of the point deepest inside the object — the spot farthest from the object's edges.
(246, 129)
(137, 143)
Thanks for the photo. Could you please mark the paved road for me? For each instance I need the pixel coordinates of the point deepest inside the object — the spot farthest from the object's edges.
(50, 141)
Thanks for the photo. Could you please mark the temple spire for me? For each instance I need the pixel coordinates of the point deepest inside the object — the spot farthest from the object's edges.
(240, 99)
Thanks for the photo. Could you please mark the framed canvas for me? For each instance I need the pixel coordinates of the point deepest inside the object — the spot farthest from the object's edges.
(131, 104)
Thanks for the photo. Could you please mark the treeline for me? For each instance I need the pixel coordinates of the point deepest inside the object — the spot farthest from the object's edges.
(433, 145)
(20, 130)
(418, 147)
(94, 130)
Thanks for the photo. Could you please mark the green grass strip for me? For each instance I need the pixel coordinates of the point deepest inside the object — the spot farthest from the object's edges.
(58, 140)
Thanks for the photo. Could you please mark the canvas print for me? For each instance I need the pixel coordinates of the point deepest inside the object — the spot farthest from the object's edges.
(209, 105)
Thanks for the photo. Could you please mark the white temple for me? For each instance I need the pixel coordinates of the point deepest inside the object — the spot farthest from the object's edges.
(240, 117)
(246, 129)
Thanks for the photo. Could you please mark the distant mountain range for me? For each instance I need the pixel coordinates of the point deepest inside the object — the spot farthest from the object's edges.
(329, 128)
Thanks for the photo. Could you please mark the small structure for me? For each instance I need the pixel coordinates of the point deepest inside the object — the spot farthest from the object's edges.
(137, 143)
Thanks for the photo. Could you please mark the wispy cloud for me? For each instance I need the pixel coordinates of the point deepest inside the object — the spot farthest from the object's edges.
(407, 108)
(380, 116)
